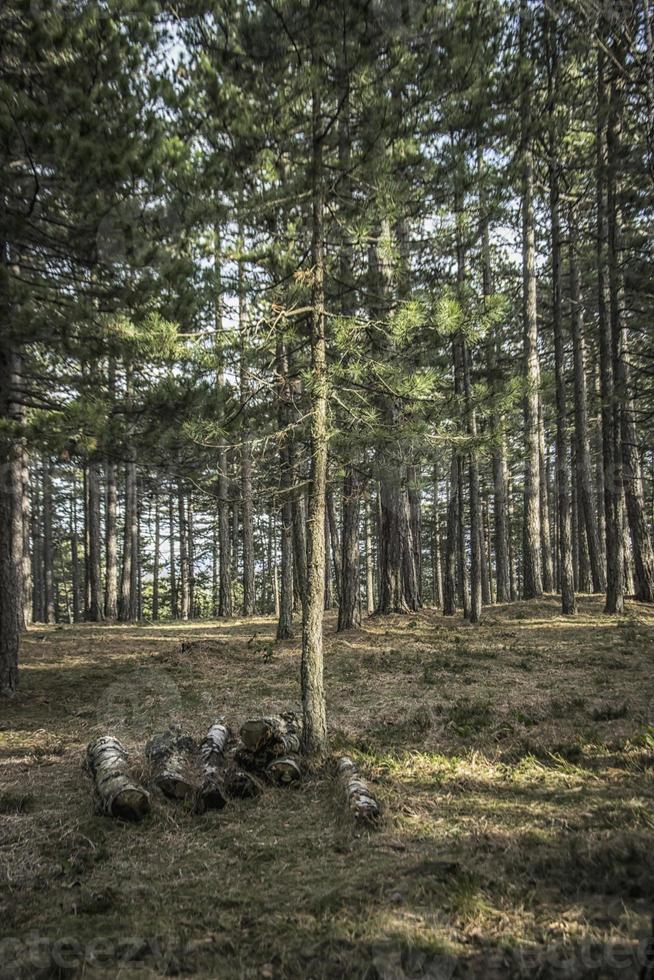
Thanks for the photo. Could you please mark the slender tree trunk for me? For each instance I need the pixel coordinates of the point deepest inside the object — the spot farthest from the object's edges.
(128, 610)
(174, 610)
(332, 543)
(224, 543)
(95, 612)
(544, 500)
(415, 524)
(349, 608)
(48, 556)
(437, 578)
(285, 615)
(370, 574)
(314, 733)
(156, 558)
(583, 468)
(26, 524)
(74, 554)
(568, 603)
(184, 601)
(613, 481)
(246, 453)
(475, 501)
(111, 544)
(532, 574)
(626, 436)
(11, 491)
(449, 577)
(190, 529)
(328, 571)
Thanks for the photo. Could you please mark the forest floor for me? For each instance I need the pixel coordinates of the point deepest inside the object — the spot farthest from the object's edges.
(514, 761)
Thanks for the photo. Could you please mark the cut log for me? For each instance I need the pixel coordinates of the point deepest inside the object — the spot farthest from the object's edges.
(241, 784)
(116, 793)
(361, 803)
(212, 754)
(171, 755)
(277, 735)
(284, 771)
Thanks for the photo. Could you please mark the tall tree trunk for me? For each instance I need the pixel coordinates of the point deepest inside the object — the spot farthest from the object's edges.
(332, 543)
(613, 481)
(370, 573)
(26, 525)
(584, 467)
(190, 529)
(449, 576)
(544, 495)
(74, 555)
(641, 544)
(48, 556)
(111, 543)
(127, 609)
(285, 615)
(95, 611)
(437, 578)
(415, 523)
(11, 491)
(246, 453)
(475, 501)
(156, 558)
(184, 598)
(349, 607)
(314, 733)
(222, 485)
(568, 604)
(532, 574)
(174, 608)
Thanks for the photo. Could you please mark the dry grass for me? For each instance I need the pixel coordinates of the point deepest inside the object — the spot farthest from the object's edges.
(514, 761)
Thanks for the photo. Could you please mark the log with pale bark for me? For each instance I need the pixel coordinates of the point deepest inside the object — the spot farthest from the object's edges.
(362, 804)
(116, 793)
(275, 736)
(172, 755)
(212, 755)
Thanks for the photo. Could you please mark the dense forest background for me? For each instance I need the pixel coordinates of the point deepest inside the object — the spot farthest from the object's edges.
(310, 305)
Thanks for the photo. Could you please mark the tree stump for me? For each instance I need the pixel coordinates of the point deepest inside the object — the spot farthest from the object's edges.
(171, 755)
(362, 804)
(212, 755)
(116, 793)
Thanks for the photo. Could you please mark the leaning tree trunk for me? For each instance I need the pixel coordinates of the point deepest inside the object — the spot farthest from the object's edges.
(313, 697)
(116, 793)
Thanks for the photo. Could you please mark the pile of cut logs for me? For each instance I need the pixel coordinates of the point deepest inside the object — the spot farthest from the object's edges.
(217, 769)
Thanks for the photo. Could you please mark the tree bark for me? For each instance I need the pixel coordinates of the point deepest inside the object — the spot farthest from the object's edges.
(48, 557)
(156, 558)
(532, 574)
(613, 481)
(584, 468)
(116, 793)
(285, 614)
(95, 611)
(314, 734)
(359, 798)
(184, 598)
(568, 602)
(449, 576)
(349, 608)
(128, 605)
(171, 755)
(246, 455)
(10, 493)
(174, 609)
(111, 544)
